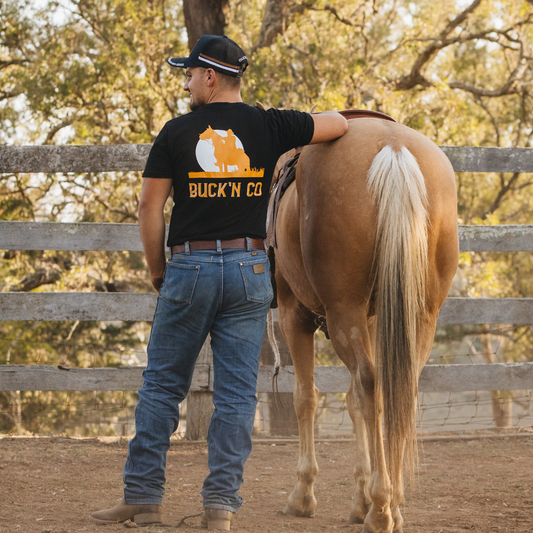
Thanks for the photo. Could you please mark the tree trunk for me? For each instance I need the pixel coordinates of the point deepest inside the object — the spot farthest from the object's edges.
(273, 23)
(200, 404)
(204, 17)
(502, 400)
(279, 14)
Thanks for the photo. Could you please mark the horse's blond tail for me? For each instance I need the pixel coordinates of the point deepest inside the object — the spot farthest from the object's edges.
(400, 278)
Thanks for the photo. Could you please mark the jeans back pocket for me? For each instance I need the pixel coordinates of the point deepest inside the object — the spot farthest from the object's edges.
(180, 281)
(256, 278)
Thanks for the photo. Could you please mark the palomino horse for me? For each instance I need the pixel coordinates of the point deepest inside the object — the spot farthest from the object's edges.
(367, 239)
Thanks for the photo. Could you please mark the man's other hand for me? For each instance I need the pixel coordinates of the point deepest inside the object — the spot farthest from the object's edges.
(152, 226)
(157, 281)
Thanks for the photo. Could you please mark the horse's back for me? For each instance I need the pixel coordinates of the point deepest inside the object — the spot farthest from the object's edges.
(335, 173)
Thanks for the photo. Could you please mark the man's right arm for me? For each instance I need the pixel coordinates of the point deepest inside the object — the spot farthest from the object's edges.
(152, 226)
(329, 125)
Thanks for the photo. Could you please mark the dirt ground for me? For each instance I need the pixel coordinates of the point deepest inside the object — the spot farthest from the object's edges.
(51, 485)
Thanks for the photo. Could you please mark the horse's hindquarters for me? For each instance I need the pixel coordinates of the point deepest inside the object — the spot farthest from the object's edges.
(336, 213)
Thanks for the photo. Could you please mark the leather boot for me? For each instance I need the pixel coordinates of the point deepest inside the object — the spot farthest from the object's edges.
(140, 514)
(217, 519)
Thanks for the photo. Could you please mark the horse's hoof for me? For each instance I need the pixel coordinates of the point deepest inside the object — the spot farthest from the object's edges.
(291, 511)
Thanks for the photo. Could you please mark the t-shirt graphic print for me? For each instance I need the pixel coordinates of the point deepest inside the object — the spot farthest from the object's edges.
(221, 158)
(221, 154)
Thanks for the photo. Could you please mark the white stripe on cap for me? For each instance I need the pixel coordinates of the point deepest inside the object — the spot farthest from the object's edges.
(200, 58)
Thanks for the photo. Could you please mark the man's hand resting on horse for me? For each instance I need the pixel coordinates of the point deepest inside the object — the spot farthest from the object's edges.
(329, 125)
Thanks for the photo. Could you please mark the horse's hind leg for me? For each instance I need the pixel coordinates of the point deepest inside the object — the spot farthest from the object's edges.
(379, 518)
(298, 328)
(351, 338)
(361, 498)
(362, 469)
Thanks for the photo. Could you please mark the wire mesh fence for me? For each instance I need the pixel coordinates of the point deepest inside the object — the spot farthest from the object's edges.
(111, 413)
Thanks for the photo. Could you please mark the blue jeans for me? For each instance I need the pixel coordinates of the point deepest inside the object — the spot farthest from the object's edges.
(225, 293)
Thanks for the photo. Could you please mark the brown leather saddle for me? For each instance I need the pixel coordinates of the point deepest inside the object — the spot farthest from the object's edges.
(365, 113)
(285, 178)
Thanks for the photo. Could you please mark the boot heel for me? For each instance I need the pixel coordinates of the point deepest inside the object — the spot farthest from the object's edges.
(148, 518)
(223, 523)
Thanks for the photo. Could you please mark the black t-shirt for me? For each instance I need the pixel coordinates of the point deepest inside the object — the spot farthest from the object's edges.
(220, 158)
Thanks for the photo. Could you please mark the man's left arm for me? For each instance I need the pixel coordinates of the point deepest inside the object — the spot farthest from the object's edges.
(329, 125)
(152, 226)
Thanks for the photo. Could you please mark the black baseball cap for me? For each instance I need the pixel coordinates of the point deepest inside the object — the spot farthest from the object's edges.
(216, 52)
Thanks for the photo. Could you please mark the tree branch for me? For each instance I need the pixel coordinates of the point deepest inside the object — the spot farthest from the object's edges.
(510, 87)
(42, 276)
(5, 95)
(67, 122)
(415, 77)
(278, 15)
(493, 121)
(124, 212)
(501, 194)
(335, 13)
(9, 62)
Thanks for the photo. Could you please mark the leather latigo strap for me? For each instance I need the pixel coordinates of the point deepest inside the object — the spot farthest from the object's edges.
(257, 244)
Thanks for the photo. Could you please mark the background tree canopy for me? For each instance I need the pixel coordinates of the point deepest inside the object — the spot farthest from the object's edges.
(94, 72)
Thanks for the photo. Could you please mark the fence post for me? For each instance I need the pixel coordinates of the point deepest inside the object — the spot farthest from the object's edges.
(200, 404)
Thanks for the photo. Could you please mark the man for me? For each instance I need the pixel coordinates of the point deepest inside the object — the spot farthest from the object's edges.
(219, 159)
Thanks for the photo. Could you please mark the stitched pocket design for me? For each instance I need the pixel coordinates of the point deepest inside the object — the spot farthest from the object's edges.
(179, 284)
(257, 285)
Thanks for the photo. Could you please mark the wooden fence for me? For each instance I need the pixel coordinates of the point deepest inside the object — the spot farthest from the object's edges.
(140, 307)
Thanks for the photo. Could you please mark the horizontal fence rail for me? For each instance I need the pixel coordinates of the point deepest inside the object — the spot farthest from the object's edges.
(52, 378)
(496, 238)
(79, 159)
(92, 236)
(434, 378)
(489, 159)
(132, 306)
(128, 306)
(140, 306)
(83, 236)
(132, 157)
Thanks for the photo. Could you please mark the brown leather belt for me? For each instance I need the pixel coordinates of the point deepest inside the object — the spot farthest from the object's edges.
(257, 244)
